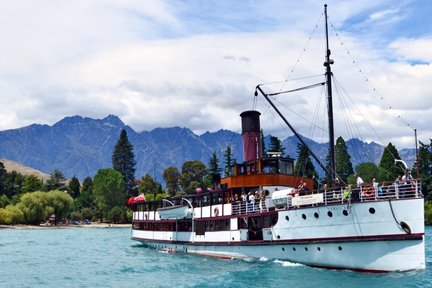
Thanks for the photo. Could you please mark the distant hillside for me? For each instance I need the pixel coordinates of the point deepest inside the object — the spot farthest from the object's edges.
(80, 146)
(24, 170)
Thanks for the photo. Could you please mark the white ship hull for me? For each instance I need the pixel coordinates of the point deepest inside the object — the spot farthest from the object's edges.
(362, 236)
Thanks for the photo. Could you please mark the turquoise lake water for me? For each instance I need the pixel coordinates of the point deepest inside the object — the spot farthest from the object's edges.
(106, 257)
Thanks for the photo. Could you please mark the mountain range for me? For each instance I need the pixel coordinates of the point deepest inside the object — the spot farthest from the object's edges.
(80, 146)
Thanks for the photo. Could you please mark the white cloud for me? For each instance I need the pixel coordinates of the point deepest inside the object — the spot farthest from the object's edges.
(412, 49)
(161, 64)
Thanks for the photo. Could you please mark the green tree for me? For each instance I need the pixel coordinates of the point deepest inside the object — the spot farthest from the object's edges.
(37, 206)
(213, 171)
(74, 187)
(428, 212)
(171, 175)
(228, 156)
(31, 184)
(11, 215)
(59, 203)
(4, 201)
(424, 166)
(2, 178)
(12, 183)
(192, 176)
(389, 170)
(86, 198)
(276, 145)
(123, 160)
(108, 190)
(56, 181)
(34, 206)
(148, 185)
(117, 214)
(304, 166)
(344, 166)
(367, 172)
(87, 185)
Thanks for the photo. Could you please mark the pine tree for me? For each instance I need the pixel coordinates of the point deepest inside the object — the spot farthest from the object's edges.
(213, 170)
(389, 170)
(228, 160)
(276, 145)
(425, 168)
(304, 166)
(123, 160)
(344, 166)
(74, 187)
(2, 178)
(56, 181)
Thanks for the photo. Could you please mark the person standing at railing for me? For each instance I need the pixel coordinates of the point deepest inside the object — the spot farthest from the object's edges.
(409, 177)
(359, 181)
(337, 187)
(375, 186)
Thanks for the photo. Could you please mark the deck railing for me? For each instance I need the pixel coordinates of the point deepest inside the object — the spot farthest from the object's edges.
(387, 191)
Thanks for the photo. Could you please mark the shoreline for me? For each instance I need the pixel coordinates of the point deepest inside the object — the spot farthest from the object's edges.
(92, 225)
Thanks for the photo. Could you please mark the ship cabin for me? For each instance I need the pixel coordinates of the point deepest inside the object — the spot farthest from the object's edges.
(267, 171)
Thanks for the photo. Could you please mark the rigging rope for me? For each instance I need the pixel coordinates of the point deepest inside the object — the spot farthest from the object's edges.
(366, 79)
(303, 51)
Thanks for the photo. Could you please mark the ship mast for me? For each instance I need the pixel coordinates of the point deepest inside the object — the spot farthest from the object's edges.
(330, 170)
(327, 63)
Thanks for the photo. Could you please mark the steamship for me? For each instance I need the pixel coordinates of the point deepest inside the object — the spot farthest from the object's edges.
(259, 211)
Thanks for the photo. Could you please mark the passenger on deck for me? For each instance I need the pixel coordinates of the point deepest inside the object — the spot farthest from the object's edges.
(302, 188)
(409, 178)
(359, 181)
(243, 197)
(337, 187)
(375, 185)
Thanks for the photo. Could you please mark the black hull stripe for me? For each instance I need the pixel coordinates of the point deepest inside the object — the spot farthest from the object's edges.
(397, 237)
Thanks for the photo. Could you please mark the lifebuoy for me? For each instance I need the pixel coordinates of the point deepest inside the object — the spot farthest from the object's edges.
(216, 211)
(369, 191)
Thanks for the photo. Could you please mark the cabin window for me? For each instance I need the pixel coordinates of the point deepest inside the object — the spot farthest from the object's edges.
(185, 226)
(243, 223)
(285, 167)
(200, 227)
(270, 167)
(242, 169)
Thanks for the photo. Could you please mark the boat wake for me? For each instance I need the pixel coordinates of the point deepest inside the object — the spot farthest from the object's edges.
(287, 263)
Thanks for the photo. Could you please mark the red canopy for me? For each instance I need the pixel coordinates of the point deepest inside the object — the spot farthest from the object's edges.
(138, 198)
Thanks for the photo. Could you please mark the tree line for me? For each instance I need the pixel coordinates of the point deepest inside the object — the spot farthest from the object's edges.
(28, 200)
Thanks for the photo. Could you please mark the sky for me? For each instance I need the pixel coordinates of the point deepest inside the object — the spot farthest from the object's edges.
(196, 64)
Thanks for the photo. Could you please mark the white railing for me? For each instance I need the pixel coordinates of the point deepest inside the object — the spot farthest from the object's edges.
(387, 191)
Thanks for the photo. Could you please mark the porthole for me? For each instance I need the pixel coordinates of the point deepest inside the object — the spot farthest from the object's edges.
(345, 212)
(283, 249)
(340, 248)
(287, 218)
(316, 215)
(372, 210)
(319, 248)
(294, 249)
(304, 216)
(278, 236)
(306, 249)
(232, 238)
(330, 214)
